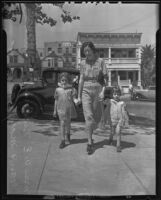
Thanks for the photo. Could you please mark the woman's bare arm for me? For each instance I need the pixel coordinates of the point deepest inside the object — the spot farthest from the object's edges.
(80, 88)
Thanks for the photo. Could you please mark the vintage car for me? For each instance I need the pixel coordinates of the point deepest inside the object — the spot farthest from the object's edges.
(144, 94)
(33, 99)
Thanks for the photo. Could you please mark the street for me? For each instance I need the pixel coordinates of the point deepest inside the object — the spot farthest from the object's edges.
(36, 165)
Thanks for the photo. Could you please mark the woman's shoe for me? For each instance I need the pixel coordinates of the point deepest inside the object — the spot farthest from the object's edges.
(68, 138)
(62, 145)
(118, 149)
(89, 149)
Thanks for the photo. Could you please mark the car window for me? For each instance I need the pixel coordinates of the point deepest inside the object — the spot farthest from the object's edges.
(50, 77)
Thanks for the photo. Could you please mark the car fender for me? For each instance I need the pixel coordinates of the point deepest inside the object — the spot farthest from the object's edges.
(30, 96)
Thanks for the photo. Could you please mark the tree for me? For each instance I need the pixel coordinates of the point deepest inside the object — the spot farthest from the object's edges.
(148, 65)
(34, 15)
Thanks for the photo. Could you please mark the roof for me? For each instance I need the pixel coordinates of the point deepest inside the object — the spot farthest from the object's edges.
(17, 52)
(102, 34)
(53, 55)
(109, 38)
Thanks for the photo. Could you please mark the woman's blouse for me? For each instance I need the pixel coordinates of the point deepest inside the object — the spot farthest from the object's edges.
(95, 72)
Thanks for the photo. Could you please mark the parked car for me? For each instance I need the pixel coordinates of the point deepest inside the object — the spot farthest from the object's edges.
(144, 94)
(36, 98)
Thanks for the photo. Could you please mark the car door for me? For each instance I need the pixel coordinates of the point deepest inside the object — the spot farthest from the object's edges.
(50, 80)
(151, 93)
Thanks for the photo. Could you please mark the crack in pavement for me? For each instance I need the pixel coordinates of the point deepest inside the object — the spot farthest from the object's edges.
(146, 190)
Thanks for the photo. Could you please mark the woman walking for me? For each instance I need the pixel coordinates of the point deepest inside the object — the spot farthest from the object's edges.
(91, 89)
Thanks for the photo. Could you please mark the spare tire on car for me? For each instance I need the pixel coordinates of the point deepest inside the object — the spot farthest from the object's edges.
(15, 90)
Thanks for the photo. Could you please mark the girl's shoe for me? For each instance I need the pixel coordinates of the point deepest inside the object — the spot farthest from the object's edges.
(89, 149)
(110, 141)
(118, 149)
(62, 145)
(68, 138)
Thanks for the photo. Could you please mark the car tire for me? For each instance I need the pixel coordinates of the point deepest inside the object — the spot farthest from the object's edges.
(28, 109)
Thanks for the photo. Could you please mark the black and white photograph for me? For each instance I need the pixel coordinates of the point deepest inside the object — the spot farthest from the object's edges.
(81, 98)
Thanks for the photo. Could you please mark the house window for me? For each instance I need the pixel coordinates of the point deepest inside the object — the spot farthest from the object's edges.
(15, 59)
(11, 59)
(74, 50)
(73, 59)
(59, 50)
(49, 64)
(131, 53)
(49, 49)
(67, 50)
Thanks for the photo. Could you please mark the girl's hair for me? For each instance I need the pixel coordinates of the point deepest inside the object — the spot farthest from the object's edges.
(116, 90)
(90, 45)
(64, 74)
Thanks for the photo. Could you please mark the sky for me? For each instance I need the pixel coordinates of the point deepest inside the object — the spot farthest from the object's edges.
(113, 18)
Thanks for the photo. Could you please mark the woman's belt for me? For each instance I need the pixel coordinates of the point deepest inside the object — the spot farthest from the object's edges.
(93, 80)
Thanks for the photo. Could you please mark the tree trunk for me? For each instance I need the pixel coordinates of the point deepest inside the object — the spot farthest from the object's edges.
(31, 34)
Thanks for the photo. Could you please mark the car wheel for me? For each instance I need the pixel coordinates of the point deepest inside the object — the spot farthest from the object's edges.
(27, 109)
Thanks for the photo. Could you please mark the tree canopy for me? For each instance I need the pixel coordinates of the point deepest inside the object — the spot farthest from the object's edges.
(12, 10)
(148, 65)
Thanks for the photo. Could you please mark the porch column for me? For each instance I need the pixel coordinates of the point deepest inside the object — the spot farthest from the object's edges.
(139, 77)
(118, 79)
(109, 78)
(134, 76)
(109, 55)
(78, 53)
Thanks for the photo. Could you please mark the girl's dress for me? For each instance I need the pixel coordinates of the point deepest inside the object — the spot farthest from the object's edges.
(65, 106)
(115, 113)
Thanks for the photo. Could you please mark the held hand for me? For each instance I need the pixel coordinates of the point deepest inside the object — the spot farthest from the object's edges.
(78, 101)
(101, 95)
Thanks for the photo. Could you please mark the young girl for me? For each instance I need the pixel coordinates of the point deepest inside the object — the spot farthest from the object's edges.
(64, 107)
(117, 117)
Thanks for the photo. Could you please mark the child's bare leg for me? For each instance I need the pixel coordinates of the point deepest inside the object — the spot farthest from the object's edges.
(62, 134)
(118, 138)
(111, 134)
(68, 127)
(102, 121)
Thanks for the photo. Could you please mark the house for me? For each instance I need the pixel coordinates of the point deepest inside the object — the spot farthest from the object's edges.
(64, 49)
(121, 52)
(52, 60)
(16, 64)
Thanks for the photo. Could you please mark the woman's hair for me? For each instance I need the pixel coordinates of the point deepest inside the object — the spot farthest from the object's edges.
(64, 74)
(88, 44)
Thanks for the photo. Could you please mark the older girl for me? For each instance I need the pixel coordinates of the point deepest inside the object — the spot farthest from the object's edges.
(64, 107)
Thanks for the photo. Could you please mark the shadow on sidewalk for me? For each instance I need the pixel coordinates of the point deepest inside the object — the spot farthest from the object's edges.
(124, 144)
(77, 141)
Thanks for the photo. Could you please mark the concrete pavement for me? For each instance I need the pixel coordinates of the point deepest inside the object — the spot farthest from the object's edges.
(36, 165)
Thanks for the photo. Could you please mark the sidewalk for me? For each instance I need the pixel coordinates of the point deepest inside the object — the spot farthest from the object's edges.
(70, 171)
